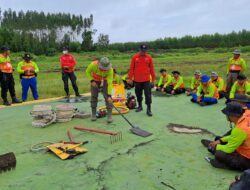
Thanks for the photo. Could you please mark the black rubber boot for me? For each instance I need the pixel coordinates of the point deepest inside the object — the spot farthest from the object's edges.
(6, 103)
(16, 101)
(149, 113)
(139, 108)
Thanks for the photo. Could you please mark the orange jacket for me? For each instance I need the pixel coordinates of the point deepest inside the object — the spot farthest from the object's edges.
(244, 125)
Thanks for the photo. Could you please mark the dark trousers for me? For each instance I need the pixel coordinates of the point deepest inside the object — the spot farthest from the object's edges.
(95, 92)
(7, 84)
(177, 91)
(139, 88)
(233, 161)
(221, 94)
(65, 77)
(231, 78)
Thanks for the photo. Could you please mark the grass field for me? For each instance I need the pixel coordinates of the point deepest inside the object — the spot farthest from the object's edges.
(184, 60)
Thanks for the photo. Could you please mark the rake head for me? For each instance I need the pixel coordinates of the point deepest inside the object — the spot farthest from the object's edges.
(116, 137)
(7, 162)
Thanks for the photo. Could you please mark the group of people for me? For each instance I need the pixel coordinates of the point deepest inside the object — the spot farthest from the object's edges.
(231, 150)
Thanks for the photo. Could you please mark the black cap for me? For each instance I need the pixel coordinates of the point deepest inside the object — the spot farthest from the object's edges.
(176, 72)
(65, 48)
(27, 56)
(4, 48)
(241, 77)
(233, 109)
(241, 98)
(243, 183)
(143, 47)
(163, 70)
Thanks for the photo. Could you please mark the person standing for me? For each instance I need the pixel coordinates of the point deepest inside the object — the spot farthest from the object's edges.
(235, 66)
(141, 69)
(6, 77)
(100, 75)
(28, 70)
(68, 64)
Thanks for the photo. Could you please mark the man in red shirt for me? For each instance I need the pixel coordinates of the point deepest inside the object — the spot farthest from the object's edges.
(141, 68)
(68, 63)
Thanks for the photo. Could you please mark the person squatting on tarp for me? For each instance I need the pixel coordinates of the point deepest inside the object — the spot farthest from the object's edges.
(141, 69)
(6, 77)
(165, 79)
(233, 151)
(116, 78)
(245, 103)
(100, 74)
(28, 70)
(176, 85)
(241, 86)
(219, 83)
(235, 66)
(195, 83)
(207, 92)
(68, 64)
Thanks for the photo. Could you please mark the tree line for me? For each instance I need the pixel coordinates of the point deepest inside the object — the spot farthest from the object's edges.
(41, 33)
(233, 39)
(46, 33)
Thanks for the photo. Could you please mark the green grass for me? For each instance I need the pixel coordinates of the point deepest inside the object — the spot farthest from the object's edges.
(184, 60)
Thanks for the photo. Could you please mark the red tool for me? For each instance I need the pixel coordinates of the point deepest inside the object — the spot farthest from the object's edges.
(114, 136)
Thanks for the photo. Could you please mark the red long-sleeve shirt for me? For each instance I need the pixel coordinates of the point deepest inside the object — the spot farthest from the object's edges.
(141, 68)
(68, 63)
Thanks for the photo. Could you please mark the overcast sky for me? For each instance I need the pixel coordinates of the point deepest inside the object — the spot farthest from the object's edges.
(143, 20)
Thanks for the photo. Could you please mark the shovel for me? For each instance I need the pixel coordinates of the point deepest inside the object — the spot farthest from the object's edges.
(134, 129)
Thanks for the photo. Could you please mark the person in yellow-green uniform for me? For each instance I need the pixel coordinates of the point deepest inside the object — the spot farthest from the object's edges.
(195, 83)
(241, 86)
(116, 78)
(28, 70)
(219, 83)
(126, 84)
(233, 151)
(176, 85)
(207, 92)
(6, 77)
(236, 65)
(100, 75)
(165, 78)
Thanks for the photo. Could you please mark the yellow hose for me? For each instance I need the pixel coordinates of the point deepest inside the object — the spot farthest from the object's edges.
(123, 109)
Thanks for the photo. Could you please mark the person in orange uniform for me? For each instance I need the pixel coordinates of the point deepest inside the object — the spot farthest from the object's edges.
(219, 83)
(28, 70)
(68, 64)
(141, 68)
(6, 77)
(236, 65)
(233, 151)
(176, 85)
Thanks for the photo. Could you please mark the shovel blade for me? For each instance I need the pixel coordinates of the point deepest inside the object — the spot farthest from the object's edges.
(140, 132)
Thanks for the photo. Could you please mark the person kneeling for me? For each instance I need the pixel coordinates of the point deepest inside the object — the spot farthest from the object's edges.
(210, 92)
(177, 85)
(195, 83)
(233, 151)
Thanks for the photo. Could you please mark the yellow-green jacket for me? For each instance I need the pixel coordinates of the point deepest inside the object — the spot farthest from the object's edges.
(164, 80)
(195, 83)
(219, 83)
(94, 73)
(210, 91)
(24, 66)
(177, 83)
(236, 65)
(117, 79)
(238, 89)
